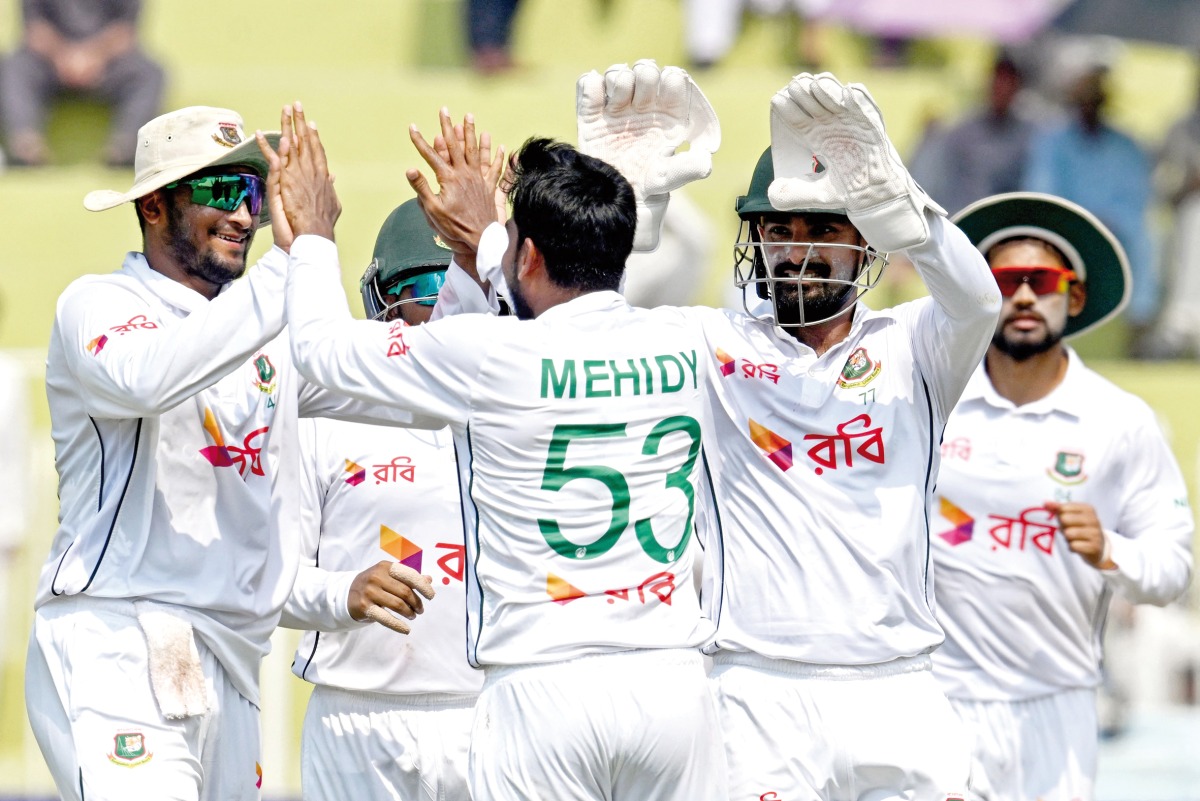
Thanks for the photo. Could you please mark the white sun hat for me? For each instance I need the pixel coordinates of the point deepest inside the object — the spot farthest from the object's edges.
(180, 143)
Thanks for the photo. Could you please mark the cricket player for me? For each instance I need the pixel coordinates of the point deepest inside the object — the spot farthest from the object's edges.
(173, 408)
(823, 448)
(1057, 490)
(389, 718)
(577, 431)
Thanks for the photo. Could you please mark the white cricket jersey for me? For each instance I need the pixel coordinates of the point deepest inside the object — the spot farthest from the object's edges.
(822, 467)
(1023, 614)
(174, 425)
(825, 466)
(578, 439)
(370, 494)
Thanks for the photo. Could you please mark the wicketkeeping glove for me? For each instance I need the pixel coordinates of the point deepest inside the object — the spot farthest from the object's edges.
(830, 151)
(635, 119)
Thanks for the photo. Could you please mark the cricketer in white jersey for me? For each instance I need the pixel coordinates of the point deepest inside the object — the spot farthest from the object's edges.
(390, 717)
(1057, 489)
(823, 454)
(578, 434)
(173, 409)
(390, 714)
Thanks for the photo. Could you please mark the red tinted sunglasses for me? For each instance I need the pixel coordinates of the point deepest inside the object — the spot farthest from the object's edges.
(1042, 280)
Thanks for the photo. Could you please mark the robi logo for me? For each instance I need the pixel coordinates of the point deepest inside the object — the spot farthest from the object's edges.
(770, 796)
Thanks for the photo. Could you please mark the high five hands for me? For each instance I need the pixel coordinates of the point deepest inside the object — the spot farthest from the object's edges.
(469, 197)
(300, 193)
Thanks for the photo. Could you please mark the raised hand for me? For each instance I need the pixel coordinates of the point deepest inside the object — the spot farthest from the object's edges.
(465, 203)
(306, 190)
(280, 228)
(831, 152)
(636, 119)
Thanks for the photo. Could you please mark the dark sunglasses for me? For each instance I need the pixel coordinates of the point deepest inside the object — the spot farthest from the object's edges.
(227, 192)
(1042, 280)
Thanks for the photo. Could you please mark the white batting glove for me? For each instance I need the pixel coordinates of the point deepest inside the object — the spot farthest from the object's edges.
(635, 119)
(830, 151)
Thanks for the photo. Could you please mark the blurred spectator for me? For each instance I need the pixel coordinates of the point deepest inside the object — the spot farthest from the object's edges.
(1104, 170)
(14, 484)
(983, 154)
(85, 47)
(1177, 179)
(489, 33)
(711, 27)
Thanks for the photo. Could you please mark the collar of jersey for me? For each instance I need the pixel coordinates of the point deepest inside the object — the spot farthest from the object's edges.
(1066, 397)
(168, 289)
(592, 301)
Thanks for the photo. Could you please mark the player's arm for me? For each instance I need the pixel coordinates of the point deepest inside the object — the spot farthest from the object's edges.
(951, 333)
(318, 601)
(1150, 544)
(428, 370)
(130, 362)
(467, 211)
(463, 292)
(329, 600)
(317, 401)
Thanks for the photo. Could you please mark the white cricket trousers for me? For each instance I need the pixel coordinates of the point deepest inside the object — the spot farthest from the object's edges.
(629, 726)
(803, 732)
(95, 717)
(1041, 748)
(382, 747)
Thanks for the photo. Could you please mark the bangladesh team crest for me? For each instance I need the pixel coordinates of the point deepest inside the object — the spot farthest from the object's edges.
(1068, 468)
(860, 369)
(265, 380)
(228, 134)
(129, 749)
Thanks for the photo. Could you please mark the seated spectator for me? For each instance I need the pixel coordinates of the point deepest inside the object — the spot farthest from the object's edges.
(711, 27)
(1091, 163)
(1177, 180)
(85, 47)
(489, 33)
(982, 155)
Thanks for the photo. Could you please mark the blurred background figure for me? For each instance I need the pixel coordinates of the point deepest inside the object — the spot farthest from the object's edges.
(1088, 161)
(14, 489)
(489, 33)
(711, 27)
(82, 47)
(1177, 180)
(982, 155)
(676, 273)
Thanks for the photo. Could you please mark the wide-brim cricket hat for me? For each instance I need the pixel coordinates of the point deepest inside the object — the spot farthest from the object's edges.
(1092, 250)
(182, 142)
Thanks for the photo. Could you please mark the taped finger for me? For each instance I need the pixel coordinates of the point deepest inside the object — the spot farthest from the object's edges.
(385, 618)
(421, 583)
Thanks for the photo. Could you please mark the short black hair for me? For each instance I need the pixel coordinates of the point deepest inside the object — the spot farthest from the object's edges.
(578, 210)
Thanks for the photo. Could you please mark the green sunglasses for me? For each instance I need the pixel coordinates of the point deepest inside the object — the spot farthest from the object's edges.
(226, 192)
